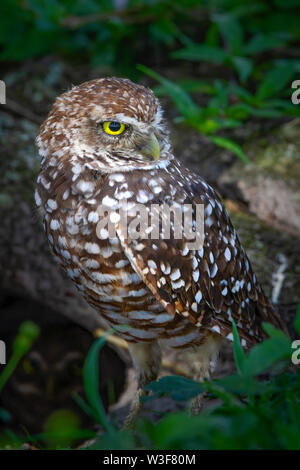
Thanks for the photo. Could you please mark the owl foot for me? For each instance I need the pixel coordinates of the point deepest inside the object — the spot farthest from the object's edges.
(136, 407)
(197, 404)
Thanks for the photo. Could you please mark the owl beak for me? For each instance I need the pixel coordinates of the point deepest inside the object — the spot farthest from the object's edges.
(151, 148)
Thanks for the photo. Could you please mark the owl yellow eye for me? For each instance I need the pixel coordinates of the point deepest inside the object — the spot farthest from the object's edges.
(113, 127)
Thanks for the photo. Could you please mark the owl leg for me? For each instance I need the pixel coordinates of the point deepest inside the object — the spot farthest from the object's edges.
(146, 358)
(204, 361)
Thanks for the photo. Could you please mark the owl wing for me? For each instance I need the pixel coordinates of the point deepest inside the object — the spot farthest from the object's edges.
(210, 286)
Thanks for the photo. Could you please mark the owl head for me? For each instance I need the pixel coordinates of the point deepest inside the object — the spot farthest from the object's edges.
(106, 124)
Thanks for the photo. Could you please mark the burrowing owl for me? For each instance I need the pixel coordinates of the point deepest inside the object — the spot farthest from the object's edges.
(106, 142)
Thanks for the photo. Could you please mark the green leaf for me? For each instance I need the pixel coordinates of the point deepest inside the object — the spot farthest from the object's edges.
(267, 354)
(224, 391)
(164, 31)
(212, 35)
(262, 42)
(91, 382)
(297, 320)
(239, 354)
(231, 31)
(273, 332)
(228, 123)
(61, 428)
(84, 406)
(275, 81)
(172, 432)
(205, 126)
(178, 388)
(27, 334)
(243, 67)
(265, 112)
(199, 52)
(220, 100)
(232, 146)
(244, 384)
(242, 93)
(180, 98)
(240, 111)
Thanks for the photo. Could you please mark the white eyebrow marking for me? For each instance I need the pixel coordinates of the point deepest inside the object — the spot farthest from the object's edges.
(143, 126)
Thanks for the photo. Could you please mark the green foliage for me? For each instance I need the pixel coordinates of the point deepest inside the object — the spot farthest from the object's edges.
(257, 408)
(230, 104)
(91, 29)
(95, 407)
(112, 438)
(180, 98)
(205, 120)
(27, 334)
(239, 354)
(61, 428)
(235, 35)
(253, 55)
(253, 413)
(250, 51)
(91, 383)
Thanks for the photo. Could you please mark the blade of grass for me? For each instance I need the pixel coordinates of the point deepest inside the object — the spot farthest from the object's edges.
(27, 334)
(91, 383)
(181, 99)
(239, 354)
(232, 146)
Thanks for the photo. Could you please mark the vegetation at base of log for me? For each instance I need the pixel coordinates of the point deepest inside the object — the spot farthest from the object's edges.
(256, 408)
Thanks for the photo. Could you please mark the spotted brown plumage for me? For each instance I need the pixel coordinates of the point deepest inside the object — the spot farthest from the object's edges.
(166, 292)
